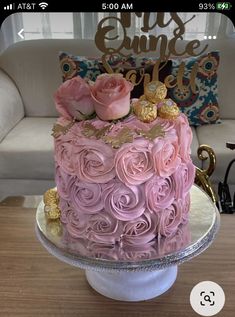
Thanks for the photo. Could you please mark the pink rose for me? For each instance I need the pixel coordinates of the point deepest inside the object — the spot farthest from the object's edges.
(75, 222)
(73, 99)
(185, 137)
(111, 95)
(64, 183)
(184, 178)
(133, 162)
(170, 219)
(141, 230)
(64, 153)
(95, 161)
(123, 202)
(159, 193)
(166, 156)
(102, 227)
(86, 197)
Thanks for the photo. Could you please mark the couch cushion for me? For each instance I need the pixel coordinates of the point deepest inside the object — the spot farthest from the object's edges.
(216, 136)
(11, 106)
(201, 107)
(35, 69)
(27, 150)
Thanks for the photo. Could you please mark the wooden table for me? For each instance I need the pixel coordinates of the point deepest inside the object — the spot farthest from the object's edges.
(34, 283)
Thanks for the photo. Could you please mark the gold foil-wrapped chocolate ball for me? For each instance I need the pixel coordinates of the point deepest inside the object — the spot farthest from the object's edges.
(155, 91)
(51, 201)
(168, 109)
(145, 110)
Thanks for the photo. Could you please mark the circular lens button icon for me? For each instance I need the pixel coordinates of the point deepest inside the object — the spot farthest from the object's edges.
(207, 298)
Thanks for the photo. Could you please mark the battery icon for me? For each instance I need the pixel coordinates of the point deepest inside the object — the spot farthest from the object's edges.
(223, 5)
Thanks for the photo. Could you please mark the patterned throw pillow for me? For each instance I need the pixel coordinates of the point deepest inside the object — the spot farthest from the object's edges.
(72, 66)
(200, 107)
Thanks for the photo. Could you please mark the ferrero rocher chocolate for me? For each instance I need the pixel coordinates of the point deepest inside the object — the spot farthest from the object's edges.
(167, 109)
(51, 201)
(145, 111)
(155, 91)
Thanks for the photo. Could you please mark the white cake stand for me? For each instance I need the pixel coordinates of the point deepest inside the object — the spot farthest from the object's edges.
(129, 273)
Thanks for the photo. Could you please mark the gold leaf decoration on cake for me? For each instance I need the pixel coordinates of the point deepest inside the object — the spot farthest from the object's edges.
(90, 130)
(153, 133)
(123, 136)
(51, 201)
(58, 129)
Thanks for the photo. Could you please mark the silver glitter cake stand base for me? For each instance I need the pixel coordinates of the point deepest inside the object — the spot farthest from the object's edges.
(142, 277)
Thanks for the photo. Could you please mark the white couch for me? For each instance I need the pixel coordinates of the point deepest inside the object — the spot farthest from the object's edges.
(29, 75)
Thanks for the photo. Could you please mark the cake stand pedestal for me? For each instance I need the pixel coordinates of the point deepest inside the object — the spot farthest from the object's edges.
(132, 286)
(134, 274)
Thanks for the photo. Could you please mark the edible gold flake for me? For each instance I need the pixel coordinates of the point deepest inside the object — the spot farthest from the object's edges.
(90, 130)
(154, 132)
(58, 129)
(124, 136)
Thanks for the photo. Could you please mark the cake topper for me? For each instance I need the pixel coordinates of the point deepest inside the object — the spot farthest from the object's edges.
(165, 46)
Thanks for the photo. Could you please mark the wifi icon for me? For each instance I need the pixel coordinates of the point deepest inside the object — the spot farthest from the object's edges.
(43, 5)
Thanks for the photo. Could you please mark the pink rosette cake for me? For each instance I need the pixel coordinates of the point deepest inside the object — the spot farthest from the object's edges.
(120, 179)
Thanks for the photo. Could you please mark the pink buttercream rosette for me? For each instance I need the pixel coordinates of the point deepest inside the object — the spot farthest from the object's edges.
(94, 161)
(65, 153)
(184, 178)
(75, 222)
(185, 137)
(103, 228)
(141, 230)
(159, 193)
(86, 197)
(111, 96)
(133, 162)
(186, 208)
(64, 183)
(123, 202)
(170, 219)
(132, 252)
(166, 157)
